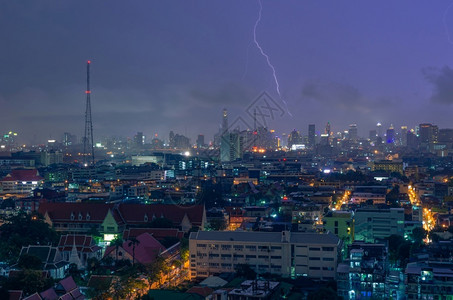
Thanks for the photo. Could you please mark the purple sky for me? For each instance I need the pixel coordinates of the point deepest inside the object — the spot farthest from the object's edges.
(161, 65)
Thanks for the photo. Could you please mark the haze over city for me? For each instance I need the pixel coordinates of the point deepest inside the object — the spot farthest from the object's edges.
(174, 65)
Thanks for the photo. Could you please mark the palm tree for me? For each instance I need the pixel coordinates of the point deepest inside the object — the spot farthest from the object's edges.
(117, 243)
(133, 242)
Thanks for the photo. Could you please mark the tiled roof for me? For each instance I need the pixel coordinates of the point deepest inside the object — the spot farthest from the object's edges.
(145, 252)
(135, 213)
(23, 175)
(132, 214)
(68, 284)
(83, 243)
(157, 233)
(49, 294)
(200, 290)
(75, 212)
(15, 294)
(35, 296)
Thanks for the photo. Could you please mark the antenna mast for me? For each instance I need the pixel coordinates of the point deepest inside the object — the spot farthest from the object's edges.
(88, 145)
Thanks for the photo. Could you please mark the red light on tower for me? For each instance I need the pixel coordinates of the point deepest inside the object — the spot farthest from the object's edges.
(88, 61)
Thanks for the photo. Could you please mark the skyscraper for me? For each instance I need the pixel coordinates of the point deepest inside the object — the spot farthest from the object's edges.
(428, 135)
(139, 140)
(353, 136)
(311, 135)
(225, 121)
(230, 146)
(390, 136)
(403, 136)
(379, 129)
(200, 141)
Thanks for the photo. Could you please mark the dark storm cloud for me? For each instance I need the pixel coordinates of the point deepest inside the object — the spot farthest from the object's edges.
(338, 95)
(229, 94)
(442, 84)
(174, 65)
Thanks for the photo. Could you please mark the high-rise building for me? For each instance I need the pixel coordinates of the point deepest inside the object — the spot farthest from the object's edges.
(379, 129)
(353, 135)
(200, 141)
(225, 121)
(446, 136)
(373, 135)
(294, 138)
(428, 135)
(69, 139)
(139, 140)
(390, 135)
(412, 139)
(311, 135)
(328, 129)
(230, 146)
(403, 135)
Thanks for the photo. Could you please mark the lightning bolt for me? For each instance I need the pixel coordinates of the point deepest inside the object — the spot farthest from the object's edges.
(271, 66)
(444, 20)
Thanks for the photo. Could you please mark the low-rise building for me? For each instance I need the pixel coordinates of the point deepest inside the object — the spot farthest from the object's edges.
(288, 254)
(429, 280)
(341, 223)
(378, 223)
(20, 182)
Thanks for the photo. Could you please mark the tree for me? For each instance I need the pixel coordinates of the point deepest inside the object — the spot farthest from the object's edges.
(133, 242)
(117, 243)
(28, 261)
(30, 281)
(392, 197)
(184, 249)
(244, 270)
(418, 235)
(218, 224)
(23, 230)
(156, 269)
(323, 293)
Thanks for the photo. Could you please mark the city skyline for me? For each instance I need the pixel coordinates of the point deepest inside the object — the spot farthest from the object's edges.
(159, 67)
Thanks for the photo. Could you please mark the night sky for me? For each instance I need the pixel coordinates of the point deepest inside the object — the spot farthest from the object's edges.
(162, 65)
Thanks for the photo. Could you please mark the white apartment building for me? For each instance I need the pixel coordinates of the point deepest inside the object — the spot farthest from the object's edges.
(288, 254)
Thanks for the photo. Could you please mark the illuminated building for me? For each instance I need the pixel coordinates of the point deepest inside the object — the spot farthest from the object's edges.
(390, 135)
(429, 280)
(379, 129)
(230, 147)
(283, 253)
(364, 274)
(69, 139)
(51, 157)
(390, 166)
(294, 138)
(139, 140)
(373, 223)
(20, 182)
(362, 194)
(428, 136)
(341, 223)
(403, 135)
